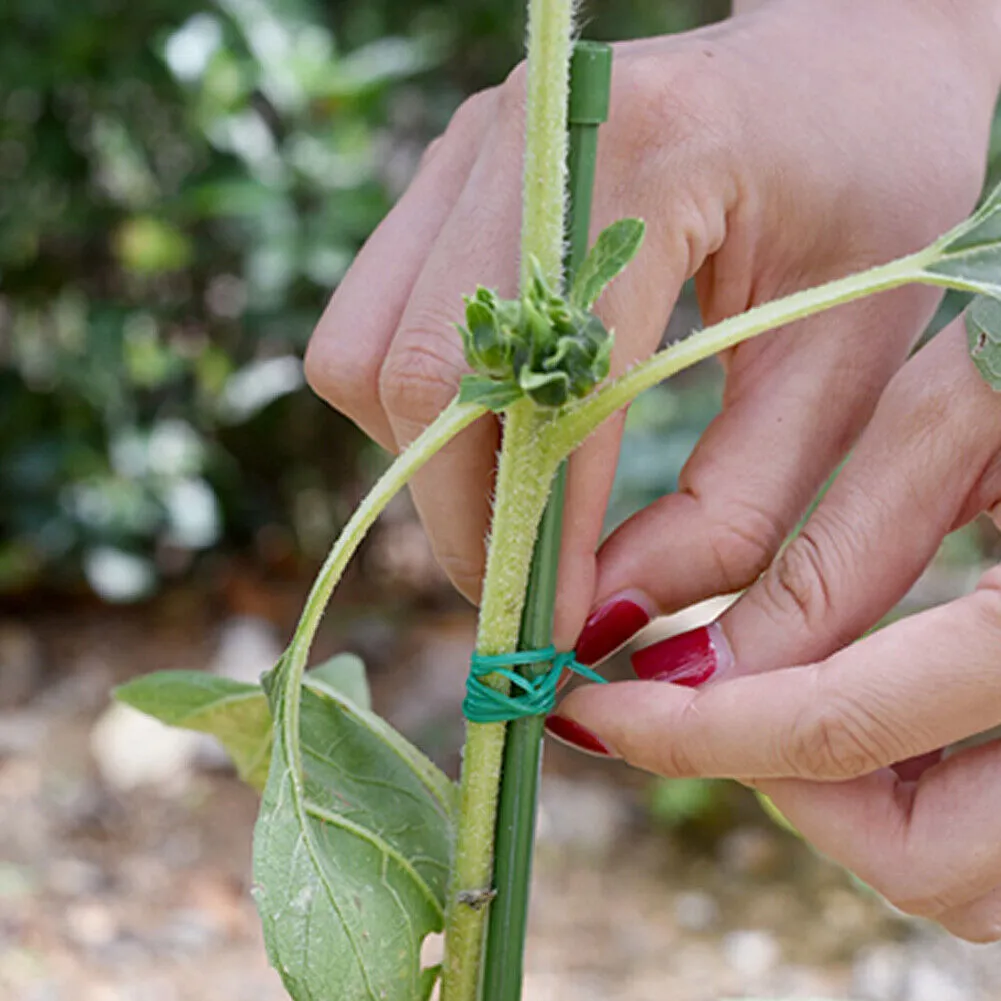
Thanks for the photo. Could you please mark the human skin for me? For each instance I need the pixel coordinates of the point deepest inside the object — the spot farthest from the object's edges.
(793, 144)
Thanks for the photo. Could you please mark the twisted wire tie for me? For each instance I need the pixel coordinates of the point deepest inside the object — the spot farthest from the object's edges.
(531, 696)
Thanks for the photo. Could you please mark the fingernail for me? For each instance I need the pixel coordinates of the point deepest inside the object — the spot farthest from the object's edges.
(609, 626)
(579, 738)
(690, 659)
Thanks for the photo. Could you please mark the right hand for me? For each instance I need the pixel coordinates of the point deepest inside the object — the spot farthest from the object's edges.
(766, 154)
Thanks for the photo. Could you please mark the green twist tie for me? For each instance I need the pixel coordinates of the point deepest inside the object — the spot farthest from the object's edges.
(535, 696)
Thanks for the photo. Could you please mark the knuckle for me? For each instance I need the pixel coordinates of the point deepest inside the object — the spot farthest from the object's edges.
(464, 570)
(670, 756)
(743, 542)
(344, 379)
(471, 112)
(987, 601)
(466, 121)
(430, 152)
(511, 99)
(797, 581)
(836, 737)
(675, 104)
(420, 376)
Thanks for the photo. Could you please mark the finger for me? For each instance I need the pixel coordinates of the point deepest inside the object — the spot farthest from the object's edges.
(424, 363)
(906, 485)
(479, 245)
(873, 534)
(920, 684)
(795, 402)
(346, 350)
(979, 921)
(933, 849)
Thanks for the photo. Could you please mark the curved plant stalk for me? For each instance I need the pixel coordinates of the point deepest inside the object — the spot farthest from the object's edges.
(456, 417)
(579, 420)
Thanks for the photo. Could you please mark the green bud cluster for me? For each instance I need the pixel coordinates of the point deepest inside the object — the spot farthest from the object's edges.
(539, 345)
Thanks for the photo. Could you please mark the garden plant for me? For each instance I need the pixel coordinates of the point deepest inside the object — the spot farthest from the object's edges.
(363, 847)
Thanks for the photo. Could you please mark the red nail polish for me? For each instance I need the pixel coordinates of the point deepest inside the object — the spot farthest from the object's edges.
(576, 736)
(608, 627)
(690, 659)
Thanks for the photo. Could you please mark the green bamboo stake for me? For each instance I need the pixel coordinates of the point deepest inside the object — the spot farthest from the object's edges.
(590, 82)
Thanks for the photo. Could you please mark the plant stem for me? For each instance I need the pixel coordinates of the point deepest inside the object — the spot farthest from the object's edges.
(590, 81)
(524, 476)
(455, 418)
(580, 419)
(544, 200)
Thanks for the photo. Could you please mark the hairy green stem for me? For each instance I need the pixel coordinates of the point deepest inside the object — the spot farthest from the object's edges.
(524, 476)
(579, 420)
(549, 41)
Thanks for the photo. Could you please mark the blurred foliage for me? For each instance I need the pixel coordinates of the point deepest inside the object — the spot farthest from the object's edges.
(182, 183)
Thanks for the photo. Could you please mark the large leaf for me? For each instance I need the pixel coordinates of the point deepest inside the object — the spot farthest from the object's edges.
(983, 331)
(233, 712)
(612, 251)
(351, 851)
(344, 675)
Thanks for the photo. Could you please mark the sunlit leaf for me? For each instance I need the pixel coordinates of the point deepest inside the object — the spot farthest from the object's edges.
(351, 851)
(491, 393)
(344, 675)
(233, 712)
(612, 251)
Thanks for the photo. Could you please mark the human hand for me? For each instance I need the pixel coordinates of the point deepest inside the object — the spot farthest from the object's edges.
(766, 154)
(820, 739)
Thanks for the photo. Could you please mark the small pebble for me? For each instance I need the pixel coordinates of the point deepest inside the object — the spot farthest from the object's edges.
(751, 954)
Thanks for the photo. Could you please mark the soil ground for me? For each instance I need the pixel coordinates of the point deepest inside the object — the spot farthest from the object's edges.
(108, 895)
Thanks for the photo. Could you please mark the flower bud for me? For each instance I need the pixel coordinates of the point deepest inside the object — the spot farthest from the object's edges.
(538, 345)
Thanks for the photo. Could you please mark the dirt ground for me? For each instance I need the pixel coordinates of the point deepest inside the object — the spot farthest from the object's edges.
(142, 894)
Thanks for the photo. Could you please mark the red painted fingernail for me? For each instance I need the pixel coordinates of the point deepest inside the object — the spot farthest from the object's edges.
(576, 736)
(690, 659)
(609, 626)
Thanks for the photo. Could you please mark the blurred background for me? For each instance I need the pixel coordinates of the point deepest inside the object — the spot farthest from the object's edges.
(182, 184)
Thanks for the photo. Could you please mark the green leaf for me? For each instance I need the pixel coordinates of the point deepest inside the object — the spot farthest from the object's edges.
(429, 978)
(490, 393)
(983, 332)
(970, 255)
(612, 251)
(344, 674)
(233, 712)
(351, 850)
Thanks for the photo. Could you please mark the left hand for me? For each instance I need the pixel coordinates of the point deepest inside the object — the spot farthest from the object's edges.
(820, 739)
